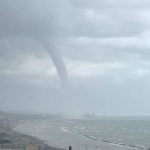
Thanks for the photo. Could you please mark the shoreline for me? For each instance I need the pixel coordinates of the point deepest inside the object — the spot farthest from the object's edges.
(10, 139)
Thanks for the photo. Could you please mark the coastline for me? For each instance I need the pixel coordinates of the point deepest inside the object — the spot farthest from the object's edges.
(10, 139)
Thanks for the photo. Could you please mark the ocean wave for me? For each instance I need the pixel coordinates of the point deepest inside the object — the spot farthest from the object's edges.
(108, 141)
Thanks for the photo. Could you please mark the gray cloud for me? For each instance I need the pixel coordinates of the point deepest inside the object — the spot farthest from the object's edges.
(105, 45)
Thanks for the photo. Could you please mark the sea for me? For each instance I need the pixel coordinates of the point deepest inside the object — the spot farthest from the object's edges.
(106, 133)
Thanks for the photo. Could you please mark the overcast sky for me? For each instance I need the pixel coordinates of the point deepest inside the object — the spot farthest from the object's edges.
(104, 44)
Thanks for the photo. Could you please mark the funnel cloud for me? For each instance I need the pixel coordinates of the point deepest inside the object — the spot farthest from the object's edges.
(57, 60)
(106, 50)
(36, 19)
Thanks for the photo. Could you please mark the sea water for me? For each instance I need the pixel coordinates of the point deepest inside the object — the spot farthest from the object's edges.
(113, 133)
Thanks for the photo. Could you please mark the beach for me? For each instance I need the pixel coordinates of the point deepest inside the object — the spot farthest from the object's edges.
(10, 139)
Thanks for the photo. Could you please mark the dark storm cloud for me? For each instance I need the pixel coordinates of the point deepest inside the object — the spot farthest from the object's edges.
(30, 17)
(106, 4)
(101, 31)
(22, 22)
(33, 19)
(105, 44)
